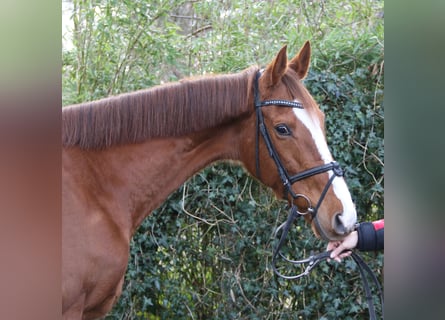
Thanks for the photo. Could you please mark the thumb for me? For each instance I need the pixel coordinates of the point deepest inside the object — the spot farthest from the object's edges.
(337, 251)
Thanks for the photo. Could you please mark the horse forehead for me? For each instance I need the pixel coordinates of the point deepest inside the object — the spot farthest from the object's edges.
(311, 119)
(312, 122)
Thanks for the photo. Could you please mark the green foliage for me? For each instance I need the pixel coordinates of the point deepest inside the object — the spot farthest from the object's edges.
(205, 253)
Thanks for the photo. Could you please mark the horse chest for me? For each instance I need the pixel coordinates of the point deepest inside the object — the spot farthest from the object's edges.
(104, 277)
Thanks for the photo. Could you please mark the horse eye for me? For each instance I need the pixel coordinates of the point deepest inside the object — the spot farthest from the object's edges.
(283, 130)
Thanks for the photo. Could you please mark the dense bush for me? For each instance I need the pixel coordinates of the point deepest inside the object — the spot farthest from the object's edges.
(205, 253)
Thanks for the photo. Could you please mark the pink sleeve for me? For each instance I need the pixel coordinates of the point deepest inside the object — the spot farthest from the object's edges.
(379, 224)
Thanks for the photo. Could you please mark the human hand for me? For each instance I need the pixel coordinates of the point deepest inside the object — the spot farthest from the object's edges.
(337, 247)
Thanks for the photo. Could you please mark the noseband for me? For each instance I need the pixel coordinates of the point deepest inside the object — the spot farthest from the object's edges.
(294, 213)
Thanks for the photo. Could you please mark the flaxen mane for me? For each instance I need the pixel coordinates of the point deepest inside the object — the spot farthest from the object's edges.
(169, 110)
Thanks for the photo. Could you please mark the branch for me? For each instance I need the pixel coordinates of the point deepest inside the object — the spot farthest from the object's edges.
(196, 32)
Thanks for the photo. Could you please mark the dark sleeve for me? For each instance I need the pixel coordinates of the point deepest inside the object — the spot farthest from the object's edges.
(371, 236)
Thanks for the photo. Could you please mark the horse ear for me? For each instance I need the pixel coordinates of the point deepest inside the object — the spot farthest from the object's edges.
(277, 67)
(300, 63)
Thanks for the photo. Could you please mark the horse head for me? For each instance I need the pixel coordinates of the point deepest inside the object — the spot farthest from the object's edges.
(292, 155)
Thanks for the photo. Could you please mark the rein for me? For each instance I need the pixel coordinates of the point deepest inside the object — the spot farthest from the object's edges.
(313, 260)
(294, 212)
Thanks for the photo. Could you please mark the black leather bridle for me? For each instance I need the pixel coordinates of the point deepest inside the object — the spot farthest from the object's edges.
(285, 177)
(294, 212)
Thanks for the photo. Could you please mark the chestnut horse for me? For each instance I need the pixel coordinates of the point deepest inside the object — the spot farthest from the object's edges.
(122, 157)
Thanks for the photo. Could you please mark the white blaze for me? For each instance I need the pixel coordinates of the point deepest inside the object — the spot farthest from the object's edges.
(340, 188)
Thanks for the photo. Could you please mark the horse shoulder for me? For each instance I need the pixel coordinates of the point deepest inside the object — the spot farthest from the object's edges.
(95, 246)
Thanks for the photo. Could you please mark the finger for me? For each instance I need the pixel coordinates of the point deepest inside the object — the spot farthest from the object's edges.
(345, 254)
(337, 251)
(332, 245)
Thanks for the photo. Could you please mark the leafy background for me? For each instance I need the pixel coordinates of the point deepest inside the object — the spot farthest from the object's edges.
(205, 253)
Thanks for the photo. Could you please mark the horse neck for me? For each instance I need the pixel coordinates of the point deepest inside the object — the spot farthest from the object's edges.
(141, 176)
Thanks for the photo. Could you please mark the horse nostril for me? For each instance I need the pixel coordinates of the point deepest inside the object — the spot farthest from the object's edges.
(339, 226)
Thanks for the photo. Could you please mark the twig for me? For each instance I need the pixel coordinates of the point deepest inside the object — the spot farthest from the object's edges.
(197, 31)
(190, 214)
